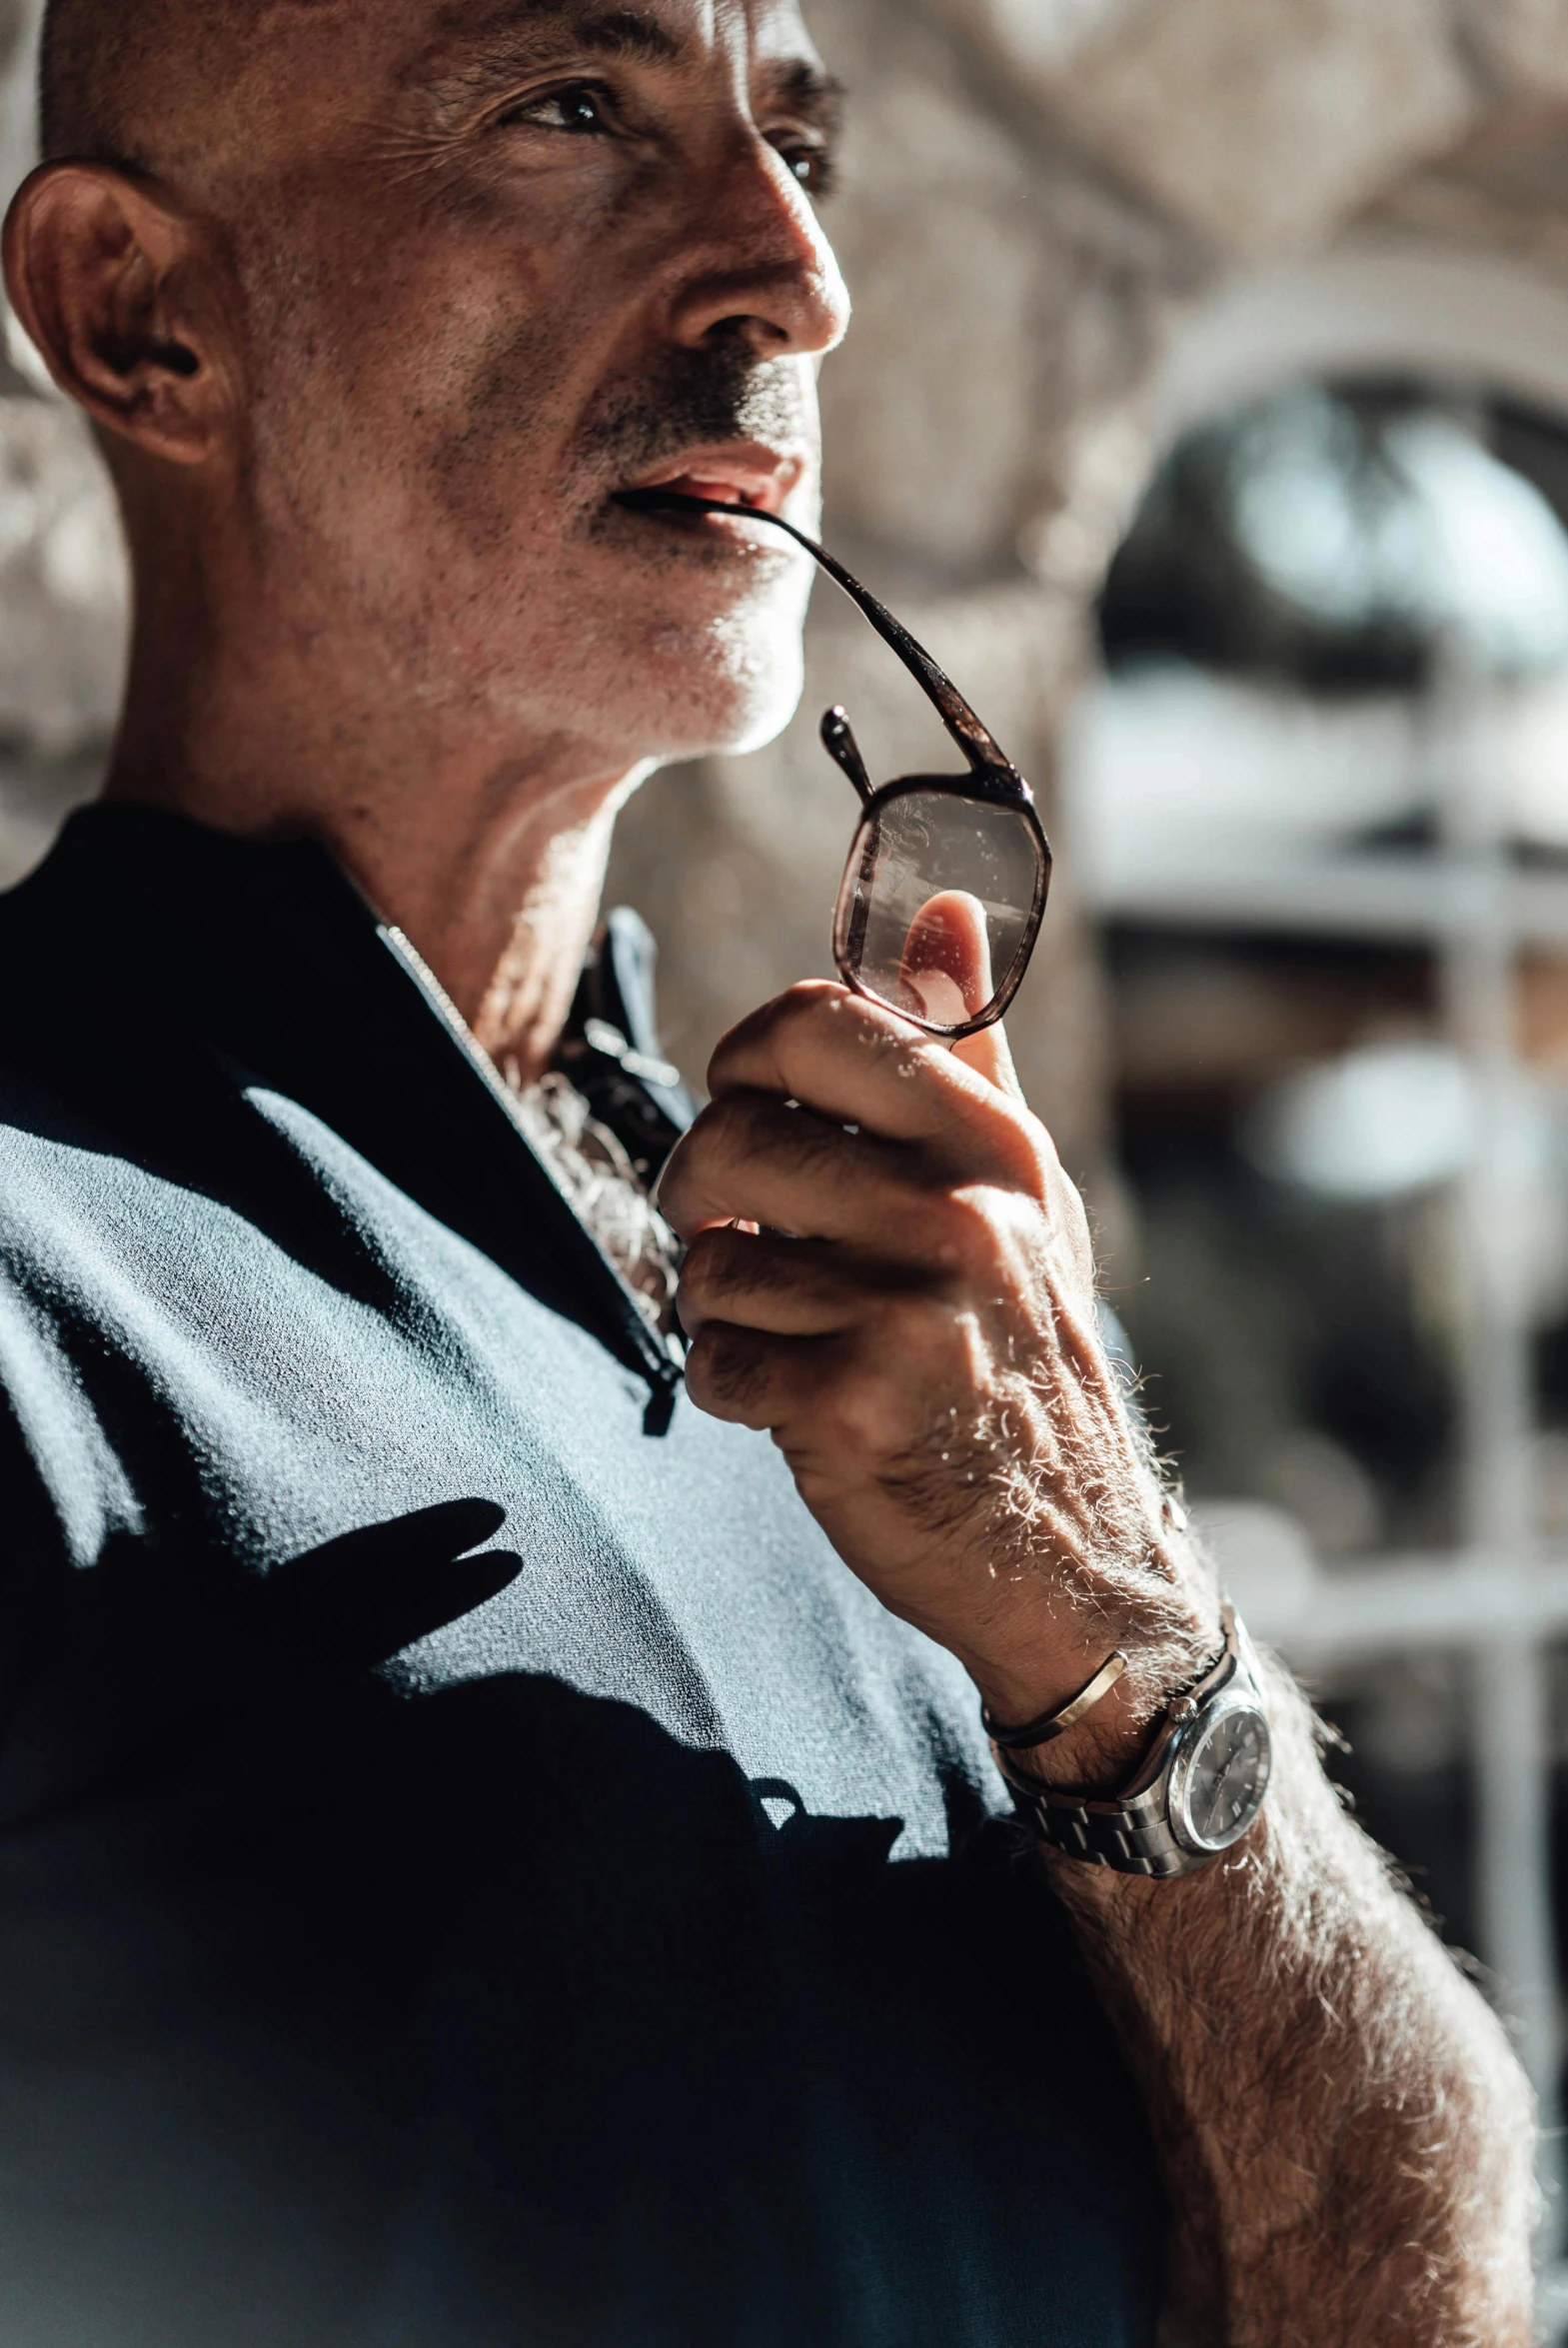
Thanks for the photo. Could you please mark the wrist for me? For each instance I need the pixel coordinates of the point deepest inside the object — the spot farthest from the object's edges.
(1101, 1751)
(1194, 1791)
(1100, 1755)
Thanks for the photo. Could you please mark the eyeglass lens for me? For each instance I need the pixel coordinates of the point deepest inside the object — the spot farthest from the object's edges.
(939, 905)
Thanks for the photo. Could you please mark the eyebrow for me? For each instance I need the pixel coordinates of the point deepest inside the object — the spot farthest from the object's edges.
(471, 45)
(472, 51)
(628, 32)
(810, 92)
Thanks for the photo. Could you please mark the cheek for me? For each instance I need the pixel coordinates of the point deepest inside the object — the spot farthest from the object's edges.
(485, 426)
(699, 665)
(411, 471)
(427, 378)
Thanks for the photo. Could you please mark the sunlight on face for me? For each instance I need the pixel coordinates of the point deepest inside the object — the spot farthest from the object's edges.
(587, 257)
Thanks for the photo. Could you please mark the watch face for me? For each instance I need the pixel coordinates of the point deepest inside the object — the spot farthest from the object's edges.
(1221, 1779)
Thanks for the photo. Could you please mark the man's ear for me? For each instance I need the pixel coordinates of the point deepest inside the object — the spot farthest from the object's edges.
(122, 295)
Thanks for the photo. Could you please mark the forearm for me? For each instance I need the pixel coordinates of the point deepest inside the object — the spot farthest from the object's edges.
(1346, 2138)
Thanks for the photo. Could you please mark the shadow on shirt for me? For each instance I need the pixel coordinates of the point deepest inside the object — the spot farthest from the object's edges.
(357, 2013)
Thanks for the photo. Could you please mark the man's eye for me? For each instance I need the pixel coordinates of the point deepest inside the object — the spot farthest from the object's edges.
(811, 163)
(579, 108)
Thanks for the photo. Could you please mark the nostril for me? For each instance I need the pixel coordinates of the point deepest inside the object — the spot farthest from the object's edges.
(747, 330)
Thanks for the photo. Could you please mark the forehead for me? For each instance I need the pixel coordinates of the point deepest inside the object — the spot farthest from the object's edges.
(309, 87)
(691, 32)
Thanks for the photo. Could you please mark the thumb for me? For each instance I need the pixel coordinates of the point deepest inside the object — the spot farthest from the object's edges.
(990, 1054)
(946, 972)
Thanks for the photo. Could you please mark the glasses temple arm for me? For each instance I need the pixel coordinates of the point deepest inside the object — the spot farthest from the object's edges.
(978, 744)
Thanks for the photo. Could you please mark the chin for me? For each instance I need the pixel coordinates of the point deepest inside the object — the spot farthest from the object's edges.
(730, 688)
(759, 701)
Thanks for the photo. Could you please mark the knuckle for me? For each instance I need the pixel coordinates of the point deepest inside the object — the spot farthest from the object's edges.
(1068, 1222)
(1020, 1151)
(1066, 1203)
(725, 1136)
(969, 1234)
(807, 1015)
(781, 1267)
(726, 1370)
(810, 1001)
(766, 1034)
(693, 1166)
(724, 1267)
(1028, 1152)
(704, 1274)
(727, 1123)
(677, 1165)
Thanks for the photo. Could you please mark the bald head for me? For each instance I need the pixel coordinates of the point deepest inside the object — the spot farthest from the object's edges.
(75, 74)
(118, 79)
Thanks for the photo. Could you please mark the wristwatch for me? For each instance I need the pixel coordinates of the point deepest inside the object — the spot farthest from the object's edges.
(1196, 1790)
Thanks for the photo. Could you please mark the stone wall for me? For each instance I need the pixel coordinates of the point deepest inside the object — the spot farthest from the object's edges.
(1036, 190)
(62, 574)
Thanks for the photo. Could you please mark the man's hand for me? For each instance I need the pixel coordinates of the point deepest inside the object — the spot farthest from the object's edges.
(890, 1272)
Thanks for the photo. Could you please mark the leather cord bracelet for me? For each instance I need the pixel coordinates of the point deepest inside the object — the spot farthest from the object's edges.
(1034, 1733)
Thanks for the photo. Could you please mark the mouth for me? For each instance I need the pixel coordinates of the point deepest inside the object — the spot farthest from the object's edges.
(744, 479)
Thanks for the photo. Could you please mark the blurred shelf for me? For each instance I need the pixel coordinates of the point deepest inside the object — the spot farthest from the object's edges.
(1398, 898)
(1416, 1601)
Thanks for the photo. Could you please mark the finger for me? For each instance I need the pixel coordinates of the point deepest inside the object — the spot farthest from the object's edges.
(990, 1055)
(786, 1288)
(856, 1063)
(752, 1157)
(947, 964)
(753, 1379)
(947, 967)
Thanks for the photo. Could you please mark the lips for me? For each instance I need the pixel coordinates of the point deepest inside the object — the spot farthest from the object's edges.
(707, 485)
(752, 478)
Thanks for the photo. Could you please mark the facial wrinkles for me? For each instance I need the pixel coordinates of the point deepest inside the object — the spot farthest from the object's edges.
(477, 60)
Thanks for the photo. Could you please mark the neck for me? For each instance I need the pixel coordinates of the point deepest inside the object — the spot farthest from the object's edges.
(488, 848)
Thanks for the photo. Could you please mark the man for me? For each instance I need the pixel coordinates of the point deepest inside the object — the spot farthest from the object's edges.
(616, 1936)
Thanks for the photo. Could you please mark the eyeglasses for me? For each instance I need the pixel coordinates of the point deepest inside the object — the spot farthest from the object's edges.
(944, 891)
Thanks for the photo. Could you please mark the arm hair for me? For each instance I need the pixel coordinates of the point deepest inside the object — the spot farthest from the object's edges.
(1346, 2137)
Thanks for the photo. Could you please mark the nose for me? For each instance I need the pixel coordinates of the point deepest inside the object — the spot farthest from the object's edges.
(758, 267)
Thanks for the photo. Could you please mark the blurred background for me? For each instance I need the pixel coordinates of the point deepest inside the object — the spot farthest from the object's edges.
(1206, 412)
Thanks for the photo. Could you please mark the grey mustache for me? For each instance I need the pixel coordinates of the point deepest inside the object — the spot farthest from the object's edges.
(694, 400)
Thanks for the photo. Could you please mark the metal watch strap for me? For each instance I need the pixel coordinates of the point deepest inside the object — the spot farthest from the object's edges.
(1130, 1831)
(1133, 1838)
